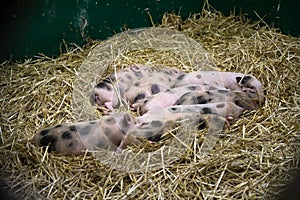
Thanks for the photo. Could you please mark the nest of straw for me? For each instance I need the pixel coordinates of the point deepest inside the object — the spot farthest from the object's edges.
(254, 158)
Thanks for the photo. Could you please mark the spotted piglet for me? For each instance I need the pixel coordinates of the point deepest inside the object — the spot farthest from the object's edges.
(131, 85)
(108, 133)
(164, 98)
(107, 93)
(120, 130)
(229, 80)
(169, 97)
(158, 120)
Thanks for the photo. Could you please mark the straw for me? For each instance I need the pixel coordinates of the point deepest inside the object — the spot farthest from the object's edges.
(253, 159)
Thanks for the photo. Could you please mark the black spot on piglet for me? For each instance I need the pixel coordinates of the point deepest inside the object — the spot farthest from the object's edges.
(149, 133)
(110, 120)
(155, 89)
(85, 130)
(223, 91)
(155, 138)
(239, 103)
(72, 128)
(49, 140)
(174, 109)
(156, 123)
(192, 87)
(66, 135)
(207, 111)
(180, 77)
(243, 80)
(57, 126)
(44, 132)
(139, 96)
(104, 84)
(201, 100)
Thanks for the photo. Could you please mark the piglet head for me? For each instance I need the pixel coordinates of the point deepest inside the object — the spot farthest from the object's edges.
(104, 95)
(251, 86)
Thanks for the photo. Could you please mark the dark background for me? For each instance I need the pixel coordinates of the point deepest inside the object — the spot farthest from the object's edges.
(30, 27)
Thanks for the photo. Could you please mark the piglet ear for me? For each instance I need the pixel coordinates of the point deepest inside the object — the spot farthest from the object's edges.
(93, 97)
(238, 79)
(243, 80)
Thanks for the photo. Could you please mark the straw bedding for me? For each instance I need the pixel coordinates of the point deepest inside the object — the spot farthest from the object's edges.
(254, 158)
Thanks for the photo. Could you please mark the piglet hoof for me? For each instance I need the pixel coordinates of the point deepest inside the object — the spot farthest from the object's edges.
(118, 151)
(229, 120)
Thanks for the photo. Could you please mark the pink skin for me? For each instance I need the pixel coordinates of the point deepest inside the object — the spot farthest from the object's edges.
(163, 79)
(213, 78)
(166, 98)
(108, 99)
(174, 71)
(104, 97)
(229, 80)
(230, 111)
(162, 99)
(105, 133)
(114, 131)
(121, 76)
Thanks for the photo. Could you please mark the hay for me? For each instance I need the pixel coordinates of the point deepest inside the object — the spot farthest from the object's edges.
(160, 47)
(157, 47)
(253, 160)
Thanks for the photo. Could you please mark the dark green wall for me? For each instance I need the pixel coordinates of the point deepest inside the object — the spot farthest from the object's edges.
(283, 14)
(39, 26)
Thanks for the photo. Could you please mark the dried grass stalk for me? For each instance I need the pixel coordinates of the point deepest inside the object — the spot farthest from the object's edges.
(253, 160)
